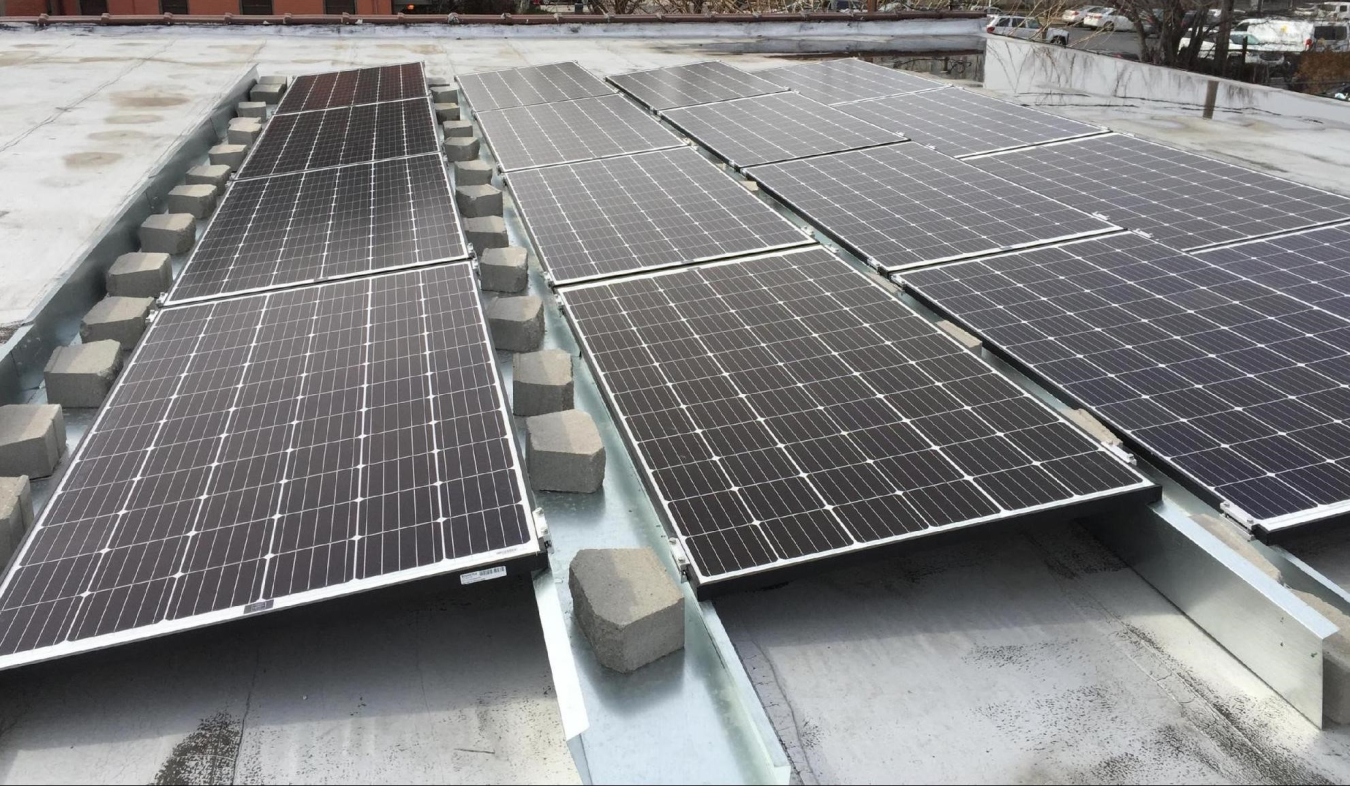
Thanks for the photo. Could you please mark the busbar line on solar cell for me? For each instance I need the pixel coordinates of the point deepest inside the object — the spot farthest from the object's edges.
(1311, 266)
(961, 123)
(775, 127)
(903, 206)
(785, 408)
(640, 212)
(696, 83)
(530, 85)
(329, 223)
(837, 82)
(346, 135)
(351, 88)
(570, 131)
(1182, 199)
(1240, 389)
(274, 450)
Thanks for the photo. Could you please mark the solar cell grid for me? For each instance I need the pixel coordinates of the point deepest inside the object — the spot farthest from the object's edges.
(569, 131)
(273, 450)
(1242, 389)
(902, 206)
(841, 81)
(1181, 199)
(530, 86)
(347, 135)
(330, 223)
(1311, 266)
(687, 85)
(960, 123)
(775, 127)
(786, 408)
(658, 209)
(351, 88)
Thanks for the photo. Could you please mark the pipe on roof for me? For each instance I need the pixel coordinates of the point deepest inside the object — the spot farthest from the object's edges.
(481, 19)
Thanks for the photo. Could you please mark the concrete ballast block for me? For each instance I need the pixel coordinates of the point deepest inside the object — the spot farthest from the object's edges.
(504, 269)
(436, 80)
(168, 233)
(479, 201)
(473, 173)
(459, 148)
(273, 79)
(32, 439)
(517, 323)
(16, 515)
(967, 340)
(120, 319)
(197, 200)
(140, 275)
(457, 128)
(81, 375)
(256, 110)
(227, 154)
(243, 131)
(485, 233)
(268, 94)
(1092, 426)
(627, 606)
(564, 452)
(541, 382)
(447, 94)
(217, 175)
(446, 112)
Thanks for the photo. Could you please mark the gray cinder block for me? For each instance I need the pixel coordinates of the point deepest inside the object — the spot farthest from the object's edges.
(1095, 428)
(479, 201)
(273, 80)
(485, 233)
(268, 94)
(446, 112)
(81, 375)
(436, 80)
(564, 452)
(209, 175)
(454, 128)
(627, 606)
(243, 131)
(252, 109)
(541, 382)
(32, 439)
(473, 173)
(139, 274)
(120, 319)
(168, 233)
(229, 155)
(16, 516)
(504, 270)
(460, 148)
(196, 200)
(967, 340)
(517, 323)
(447, 94)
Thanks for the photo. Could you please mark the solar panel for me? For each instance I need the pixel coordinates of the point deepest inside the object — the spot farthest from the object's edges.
(904, 205)
(1312, 266)
(567, 131)
(787, 410)
(697, 83)
(275, 450)
(1240, 389)
(1181, 199)
(328, 223)
(530, 86)
(840, 81)
(347, 135)
(621, 215)
(351, 88)
(775, 127)
(960, 123)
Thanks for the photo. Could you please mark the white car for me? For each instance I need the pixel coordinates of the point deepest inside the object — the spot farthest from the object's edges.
(1257, 52)
(1094, 18)
(1027, 27)
(1075, 15)
(1113, 21)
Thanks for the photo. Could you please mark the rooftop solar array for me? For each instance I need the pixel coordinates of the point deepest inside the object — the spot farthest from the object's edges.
(274, 450)
(841, 81)
(322, 224)
(1181, 199)
(530, 86)
(960, 123)
(1241, 389)
(687, 85)
(347, 135)
(1312, 266)
(569, 131)
(904, 205)
(351, 88)
(787, 410)
(658, 209)
(776, 127)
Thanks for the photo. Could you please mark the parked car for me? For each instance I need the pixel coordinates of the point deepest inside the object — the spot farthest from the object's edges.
(1297, 35)
(1094, 18)
(1258, 53)
(1113, 21)
(1075, 16)
(1028, 28)
(1334, 11)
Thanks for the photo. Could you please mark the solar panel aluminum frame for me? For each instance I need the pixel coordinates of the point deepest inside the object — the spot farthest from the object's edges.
(1103, 503)
(1266, 530)
(524, 558)
(170, 300)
